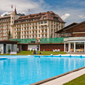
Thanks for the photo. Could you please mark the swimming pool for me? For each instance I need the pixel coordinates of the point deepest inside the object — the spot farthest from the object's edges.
(24, 70)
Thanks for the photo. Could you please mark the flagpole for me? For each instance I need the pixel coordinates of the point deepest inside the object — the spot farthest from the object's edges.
(29, 11)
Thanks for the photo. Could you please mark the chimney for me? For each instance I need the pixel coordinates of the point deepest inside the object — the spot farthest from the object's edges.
(0, 15)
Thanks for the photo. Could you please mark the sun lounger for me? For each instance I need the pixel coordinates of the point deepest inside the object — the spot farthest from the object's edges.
(13, 53)
(58, 50)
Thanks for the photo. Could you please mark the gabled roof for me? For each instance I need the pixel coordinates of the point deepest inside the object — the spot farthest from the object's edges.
(67, 27)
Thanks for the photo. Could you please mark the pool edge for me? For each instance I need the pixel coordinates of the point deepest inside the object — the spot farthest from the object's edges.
(55, 77)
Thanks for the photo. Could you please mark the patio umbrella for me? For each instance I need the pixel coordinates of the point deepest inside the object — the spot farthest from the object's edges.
(34, 47)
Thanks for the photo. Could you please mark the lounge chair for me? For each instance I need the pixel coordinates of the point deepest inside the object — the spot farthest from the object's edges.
(13, 53)
(53, 50)
(58, 50)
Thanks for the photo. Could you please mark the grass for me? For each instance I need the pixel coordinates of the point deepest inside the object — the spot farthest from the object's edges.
(78, 81)
(43, 53)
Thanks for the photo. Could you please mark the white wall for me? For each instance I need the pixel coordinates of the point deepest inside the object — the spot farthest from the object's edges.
(1, 49)
(15, 48)
(31, 46)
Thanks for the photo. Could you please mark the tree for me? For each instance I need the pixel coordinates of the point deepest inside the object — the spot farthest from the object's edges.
(9, 35)
(18, 35)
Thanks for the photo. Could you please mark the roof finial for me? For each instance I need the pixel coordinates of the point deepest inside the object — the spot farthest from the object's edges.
(15, 10)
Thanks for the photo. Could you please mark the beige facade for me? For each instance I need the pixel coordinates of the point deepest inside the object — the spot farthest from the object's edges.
(41, 25)
(6, 25)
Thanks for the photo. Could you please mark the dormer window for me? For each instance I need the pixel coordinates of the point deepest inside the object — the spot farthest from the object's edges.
(56, 18)
(44, 17)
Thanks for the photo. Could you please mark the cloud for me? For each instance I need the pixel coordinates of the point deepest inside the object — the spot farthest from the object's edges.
(82, 16)
(4, 13)
(65, 16)
(69, 10)
(23, 5)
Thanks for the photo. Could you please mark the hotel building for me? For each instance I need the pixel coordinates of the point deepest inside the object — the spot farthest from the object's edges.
(40, 25)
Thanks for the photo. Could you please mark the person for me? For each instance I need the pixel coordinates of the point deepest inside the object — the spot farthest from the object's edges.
(40, 53)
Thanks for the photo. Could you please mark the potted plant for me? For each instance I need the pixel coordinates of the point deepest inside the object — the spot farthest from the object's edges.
(9, 50)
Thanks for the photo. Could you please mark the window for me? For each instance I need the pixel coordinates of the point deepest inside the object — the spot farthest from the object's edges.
(45, 21)
(46, 27)
(39, 27)
(41, 22)
(54, 26)
(51, 26)
(52, 22)
(45, 35)
(42, 35)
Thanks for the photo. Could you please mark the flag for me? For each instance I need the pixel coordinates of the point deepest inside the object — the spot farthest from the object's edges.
(12, 6)
(28, 10)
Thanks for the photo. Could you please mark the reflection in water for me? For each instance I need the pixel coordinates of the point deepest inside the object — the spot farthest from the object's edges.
(24, 71)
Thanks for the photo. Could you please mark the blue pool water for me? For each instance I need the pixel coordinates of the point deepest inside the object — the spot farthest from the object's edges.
(17, 70)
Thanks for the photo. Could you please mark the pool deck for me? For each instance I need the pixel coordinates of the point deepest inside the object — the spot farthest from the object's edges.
(63, 78)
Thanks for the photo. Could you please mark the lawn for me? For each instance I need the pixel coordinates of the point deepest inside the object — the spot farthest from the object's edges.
(78, 81)
(42, 53)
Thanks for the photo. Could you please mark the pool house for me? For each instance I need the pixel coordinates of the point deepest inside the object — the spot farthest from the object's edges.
(7, 46)
(74, 44)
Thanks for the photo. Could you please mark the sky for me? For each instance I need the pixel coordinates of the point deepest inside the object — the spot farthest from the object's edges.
(69, 10)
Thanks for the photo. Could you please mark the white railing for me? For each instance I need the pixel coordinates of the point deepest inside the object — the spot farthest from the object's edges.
(74, 38)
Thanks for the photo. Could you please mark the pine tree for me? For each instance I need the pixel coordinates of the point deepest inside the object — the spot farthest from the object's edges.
(9, 35)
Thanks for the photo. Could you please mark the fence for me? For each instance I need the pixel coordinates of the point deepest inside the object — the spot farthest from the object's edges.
(24, 40)
(43, 40)
(52, 40)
